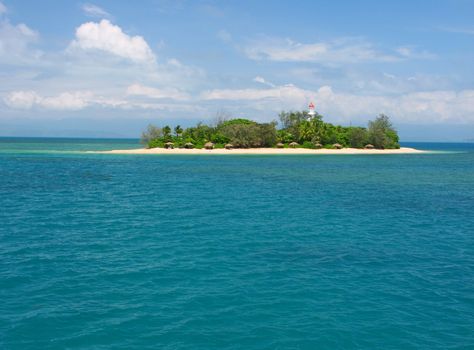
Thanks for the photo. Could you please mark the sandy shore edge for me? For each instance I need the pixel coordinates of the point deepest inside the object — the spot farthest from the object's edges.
(257, 151)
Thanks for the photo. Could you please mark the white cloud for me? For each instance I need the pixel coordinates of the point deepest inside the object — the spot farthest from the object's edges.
(240, 94)
(224, 35)
(344, 50)
(411, 52)
(107, 37)
(212, 10)
(16, 43)
(277, 93)
(66, 101)
(390, 76)
(458, 30)
(337, 51)
(22, 99)
(155, 93)
(79, 100)
(95, 11)
(404, 51)
(63, 101)
(261, 80)
(92, 10)
(3, 8)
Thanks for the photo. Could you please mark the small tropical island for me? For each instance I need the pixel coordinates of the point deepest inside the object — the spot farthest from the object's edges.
(300, 132)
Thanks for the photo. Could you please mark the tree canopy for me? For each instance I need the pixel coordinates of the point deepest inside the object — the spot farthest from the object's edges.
(382, 134)
(295, 126)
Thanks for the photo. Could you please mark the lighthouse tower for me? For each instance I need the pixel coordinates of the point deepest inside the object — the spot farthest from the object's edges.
(311, 112)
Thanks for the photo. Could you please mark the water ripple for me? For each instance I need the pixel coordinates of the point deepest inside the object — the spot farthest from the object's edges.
(236, 252)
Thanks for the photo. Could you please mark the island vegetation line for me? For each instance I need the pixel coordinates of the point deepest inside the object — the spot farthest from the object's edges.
(298, 129)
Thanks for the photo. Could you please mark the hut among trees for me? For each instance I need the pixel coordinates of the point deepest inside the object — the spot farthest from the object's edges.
(337, 146)
(293, 144)
(209, 145)
(169, 145)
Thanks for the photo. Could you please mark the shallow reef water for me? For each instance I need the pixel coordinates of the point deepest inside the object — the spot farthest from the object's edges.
(101, 251)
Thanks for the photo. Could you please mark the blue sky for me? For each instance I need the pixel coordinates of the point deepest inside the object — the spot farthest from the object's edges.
(108, 68)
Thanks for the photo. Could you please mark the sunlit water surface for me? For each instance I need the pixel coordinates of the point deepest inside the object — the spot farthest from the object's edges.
(234, 252)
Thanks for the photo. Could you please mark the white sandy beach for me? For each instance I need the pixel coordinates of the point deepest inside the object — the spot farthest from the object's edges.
(265, 151)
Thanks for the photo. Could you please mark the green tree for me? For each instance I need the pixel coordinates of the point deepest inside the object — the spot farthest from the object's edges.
(291, 122)
(328, 134)
(267, 134)
(358, 137)
(284, 136)
(151, 133)
(219, 138)
(342, 135)
(247, 133)
(382, 134)
(312, 129)
(178, 130)
(237, 121)
(198, 134)
(241, 135)
(306, 131)
(167, 133)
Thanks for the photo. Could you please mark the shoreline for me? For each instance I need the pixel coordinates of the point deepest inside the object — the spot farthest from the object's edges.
(263, 151)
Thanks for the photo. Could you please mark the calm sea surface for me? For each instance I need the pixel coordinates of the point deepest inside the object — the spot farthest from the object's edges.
(234, 252)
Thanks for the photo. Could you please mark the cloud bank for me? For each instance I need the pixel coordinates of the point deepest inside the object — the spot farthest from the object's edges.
(436, 106)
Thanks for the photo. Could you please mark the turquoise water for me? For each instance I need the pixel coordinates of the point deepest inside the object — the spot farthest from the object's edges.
(234, 252)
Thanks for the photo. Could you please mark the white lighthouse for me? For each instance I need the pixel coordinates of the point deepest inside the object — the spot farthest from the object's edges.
(311, 112)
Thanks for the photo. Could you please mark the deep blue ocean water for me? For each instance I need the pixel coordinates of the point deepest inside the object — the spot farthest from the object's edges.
(234, 252)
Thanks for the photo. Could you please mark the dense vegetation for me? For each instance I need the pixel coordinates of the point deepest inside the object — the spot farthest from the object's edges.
(297, 130)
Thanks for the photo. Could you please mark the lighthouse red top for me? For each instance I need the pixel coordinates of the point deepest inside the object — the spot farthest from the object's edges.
(311, 105)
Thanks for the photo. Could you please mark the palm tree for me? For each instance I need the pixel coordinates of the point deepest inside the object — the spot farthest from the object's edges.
(178, 130)
(306, 130)
(166, 132)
